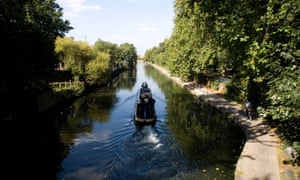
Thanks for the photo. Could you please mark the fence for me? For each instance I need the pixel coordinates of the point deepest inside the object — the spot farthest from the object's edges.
(67, 85)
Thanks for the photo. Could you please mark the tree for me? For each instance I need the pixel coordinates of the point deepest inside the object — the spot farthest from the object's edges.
(128, 55)
(28, 30)
(107, 47)
(98, 71)
(258, 41)
(276, 62)
(74, 55)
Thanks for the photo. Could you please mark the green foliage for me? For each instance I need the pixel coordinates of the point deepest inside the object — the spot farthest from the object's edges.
(94, 65)
(123, 56)
(214, 84)
(73, 54)
(98, 71)
(234, 91)
(256, 41)
(107, 47)
(128, 55)
(277, 62)
(284, 97)
(296, 146)
(28, 32)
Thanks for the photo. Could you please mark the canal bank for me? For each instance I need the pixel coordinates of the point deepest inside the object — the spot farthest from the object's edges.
(259, 158)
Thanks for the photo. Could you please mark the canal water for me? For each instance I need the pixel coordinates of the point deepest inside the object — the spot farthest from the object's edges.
(189, 141)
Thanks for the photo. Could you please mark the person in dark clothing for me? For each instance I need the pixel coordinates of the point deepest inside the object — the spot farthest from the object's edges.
(145, 91)
(145, 106)
(249, 110)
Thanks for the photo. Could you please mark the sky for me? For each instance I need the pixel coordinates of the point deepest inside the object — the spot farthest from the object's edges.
(143, 23)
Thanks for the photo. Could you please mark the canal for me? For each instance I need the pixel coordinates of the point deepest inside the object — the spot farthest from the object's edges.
(189, 141)
(95, 137)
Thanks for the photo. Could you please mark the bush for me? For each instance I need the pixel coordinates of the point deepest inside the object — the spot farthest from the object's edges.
(233, 91)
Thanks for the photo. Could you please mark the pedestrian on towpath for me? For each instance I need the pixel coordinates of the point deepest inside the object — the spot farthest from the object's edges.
(249, 109)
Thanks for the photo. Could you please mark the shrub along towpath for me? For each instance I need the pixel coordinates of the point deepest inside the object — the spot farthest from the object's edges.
(259, 159)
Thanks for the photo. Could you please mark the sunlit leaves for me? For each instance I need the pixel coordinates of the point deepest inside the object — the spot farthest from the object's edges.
(259, 39)
(73, 54)
(128, 55)
(98, 70)
(280, 64)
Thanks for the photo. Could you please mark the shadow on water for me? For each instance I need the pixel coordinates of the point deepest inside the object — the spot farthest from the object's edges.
(95, 137)
(202, 132)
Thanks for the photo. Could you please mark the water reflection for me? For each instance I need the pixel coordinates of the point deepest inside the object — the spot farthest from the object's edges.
(203, 133)
(189, 140)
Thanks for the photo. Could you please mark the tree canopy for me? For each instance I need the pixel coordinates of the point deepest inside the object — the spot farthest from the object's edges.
(28, 32)
(256, 41)
(95, 64)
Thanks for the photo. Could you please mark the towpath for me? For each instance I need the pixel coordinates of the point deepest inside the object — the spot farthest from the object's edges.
(259, 159)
